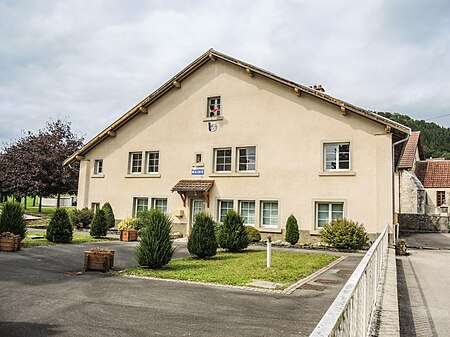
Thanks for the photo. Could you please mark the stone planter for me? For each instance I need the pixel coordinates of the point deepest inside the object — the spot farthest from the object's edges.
(9, 242)
(98, 259)
(129, 235)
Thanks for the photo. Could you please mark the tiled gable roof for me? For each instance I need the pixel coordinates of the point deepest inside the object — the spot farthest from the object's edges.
(434, 173)
(409, 154)
(213, 56)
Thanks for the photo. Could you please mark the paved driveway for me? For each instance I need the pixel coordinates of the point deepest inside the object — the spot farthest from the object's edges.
(423, 281)
(38, 299)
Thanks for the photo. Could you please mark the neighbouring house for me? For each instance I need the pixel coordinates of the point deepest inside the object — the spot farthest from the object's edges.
(223, 134)
(424, 189)
(434, 175)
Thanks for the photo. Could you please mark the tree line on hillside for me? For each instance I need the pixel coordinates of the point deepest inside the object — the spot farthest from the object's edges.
(435, 139)
(33, 164)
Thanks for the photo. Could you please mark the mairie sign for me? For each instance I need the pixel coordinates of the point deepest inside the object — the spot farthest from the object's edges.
(197, 172)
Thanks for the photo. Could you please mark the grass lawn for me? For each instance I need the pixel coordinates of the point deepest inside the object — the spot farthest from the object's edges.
(240, 268)
(77, 238)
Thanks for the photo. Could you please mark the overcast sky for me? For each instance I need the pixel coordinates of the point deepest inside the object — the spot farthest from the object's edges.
(91, 61)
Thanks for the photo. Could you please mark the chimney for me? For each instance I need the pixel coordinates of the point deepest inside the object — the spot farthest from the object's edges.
(317, 87)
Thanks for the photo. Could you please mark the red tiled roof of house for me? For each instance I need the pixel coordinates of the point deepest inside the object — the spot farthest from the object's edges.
(187, 185)
(409, 154)
(434, 173)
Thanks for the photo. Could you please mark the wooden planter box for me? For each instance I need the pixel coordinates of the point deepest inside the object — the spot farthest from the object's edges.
(130, 235)
(98, 260)
(10, 244)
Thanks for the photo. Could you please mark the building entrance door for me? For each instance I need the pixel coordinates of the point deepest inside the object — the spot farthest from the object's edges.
(198, 205)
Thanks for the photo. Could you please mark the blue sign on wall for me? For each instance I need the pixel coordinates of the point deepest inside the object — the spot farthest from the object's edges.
(197, 172)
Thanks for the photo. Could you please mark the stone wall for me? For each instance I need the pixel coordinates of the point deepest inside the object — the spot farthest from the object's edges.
(412, 193)
(423, 223)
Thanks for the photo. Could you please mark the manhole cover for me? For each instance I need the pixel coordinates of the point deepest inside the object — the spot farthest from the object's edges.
(345, 271)
(313, 287)
(326, 281)
(73, 273)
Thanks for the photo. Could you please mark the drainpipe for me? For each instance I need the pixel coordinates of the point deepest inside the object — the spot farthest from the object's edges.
(395, 228)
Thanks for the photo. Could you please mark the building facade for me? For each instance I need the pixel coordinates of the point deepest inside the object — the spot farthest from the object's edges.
(223, 134)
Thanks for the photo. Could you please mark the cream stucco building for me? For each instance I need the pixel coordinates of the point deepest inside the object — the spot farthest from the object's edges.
(223, 134)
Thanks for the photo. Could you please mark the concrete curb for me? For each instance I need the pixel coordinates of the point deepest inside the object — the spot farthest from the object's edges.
(289, 290)
(385, 320)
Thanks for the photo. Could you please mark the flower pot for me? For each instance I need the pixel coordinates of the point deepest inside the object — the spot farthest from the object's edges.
(98, 259)
(10, 244)
(129, 235)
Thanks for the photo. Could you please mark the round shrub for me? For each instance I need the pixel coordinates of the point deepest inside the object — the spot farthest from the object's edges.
(292, 233)
(109, 215)
(344, 234)
(12, 220)
(59, 228)
(253, 234)
(232, 234)
(154, 249)
(82, 218)
(202, 241)
(99, 226)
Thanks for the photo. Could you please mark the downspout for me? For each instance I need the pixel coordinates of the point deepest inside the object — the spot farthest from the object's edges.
(395, 226)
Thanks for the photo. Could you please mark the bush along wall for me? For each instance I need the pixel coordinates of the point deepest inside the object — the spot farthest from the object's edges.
(109, 215)
(99, 226)
(344, 234)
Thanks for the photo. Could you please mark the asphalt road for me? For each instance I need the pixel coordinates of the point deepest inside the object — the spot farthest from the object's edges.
(38, 299)
(423, 279)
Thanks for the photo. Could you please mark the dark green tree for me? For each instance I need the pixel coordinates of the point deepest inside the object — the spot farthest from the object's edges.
(12, 220)
(292, 233)
(60, 228)
(109, 214)
(99, 227)
(232, 234)
(154, 249)
(202, 241)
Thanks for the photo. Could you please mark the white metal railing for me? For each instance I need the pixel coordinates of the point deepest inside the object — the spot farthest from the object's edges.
(350, 313)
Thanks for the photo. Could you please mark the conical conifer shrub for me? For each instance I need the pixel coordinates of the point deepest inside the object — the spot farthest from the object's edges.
(292, 233)
(12, 220)
(109, 214)
(99, 227)
(232, 234)
(60, 228)
(202, 241)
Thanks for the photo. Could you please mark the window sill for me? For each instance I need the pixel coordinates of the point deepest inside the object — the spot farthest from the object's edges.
(98, 176)
(336, 173)
(143, 175)
(241, 174)
(269, 230)
(213, 119)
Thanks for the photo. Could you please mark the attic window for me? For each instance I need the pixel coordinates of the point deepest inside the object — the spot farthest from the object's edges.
(213, 106)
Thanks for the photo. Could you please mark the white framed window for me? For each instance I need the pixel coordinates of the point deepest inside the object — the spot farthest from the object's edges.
(247, 211)
(98, 166)
(95, 206)
(222, 160)
(152, 161)
(135, 162)
(269, 214)
(246, 158)
(140, 204)
(214, 106)
(336, 156)
(160, 203)
(224, 207)
(328, 211)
